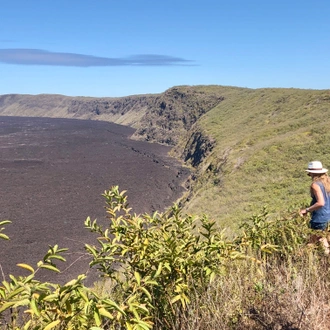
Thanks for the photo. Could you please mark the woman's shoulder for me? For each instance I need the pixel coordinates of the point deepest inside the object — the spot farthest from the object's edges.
(316, 184)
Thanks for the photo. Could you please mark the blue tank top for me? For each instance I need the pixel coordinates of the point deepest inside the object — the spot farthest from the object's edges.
(322, 215)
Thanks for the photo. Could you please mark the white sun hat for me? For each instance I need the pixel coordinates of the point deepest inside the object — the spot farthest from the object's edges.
(316, 167)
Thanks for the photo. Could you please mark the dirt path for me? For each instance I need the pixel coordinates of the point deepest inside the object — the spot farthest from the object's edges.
(52, 174)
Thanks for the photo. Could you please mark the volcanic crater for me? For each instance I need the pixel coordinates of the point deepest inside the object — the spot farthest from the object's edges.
(53, 174)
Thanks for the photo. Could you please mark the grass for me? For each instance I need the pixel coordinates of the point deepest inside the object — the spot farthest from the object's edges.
(286, 297)
(264, 141)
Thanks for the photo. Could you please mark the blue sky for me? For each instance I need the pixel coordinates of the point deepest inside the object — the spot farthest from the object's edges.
(125, 47)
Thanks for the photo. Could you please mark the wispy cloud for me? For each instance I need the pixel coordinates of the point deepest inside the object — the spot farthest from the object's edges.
(43, 57)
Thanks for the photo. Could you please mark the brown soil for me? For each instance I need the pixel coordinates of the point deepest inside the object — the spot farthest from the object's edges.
(53, 173)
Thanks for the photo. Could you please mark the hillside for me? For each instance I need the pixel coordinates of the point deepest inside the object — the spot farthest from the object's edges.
(157, 118)
(264, 139)
(249, 147)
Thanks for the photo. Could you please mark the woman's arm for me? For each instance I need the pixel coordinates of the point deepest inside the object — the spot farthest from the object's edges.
(317, 192)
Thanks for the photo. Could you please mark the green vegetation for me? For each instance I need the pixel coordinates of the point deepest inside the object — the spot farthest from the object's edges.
(172, 271)
(246, 264)
(264, 139)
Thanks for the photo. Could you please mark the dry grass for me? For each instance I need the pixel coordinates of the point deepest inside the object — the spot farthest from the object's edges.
(292, 296)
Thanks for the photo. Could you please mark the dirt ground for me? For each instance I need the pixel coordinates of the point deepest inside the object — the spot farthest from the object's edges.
(53, 173)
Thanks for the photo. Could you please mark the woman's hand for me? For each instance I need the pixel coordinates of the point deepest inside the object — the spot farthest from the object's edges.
(303, 212)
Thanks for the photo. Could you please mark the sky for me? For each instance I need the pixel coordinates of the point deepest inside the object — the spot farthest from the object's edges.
(114, 48)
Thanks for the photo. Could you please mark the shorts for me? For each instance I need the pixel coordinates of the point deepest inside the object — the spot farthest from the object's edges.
(319, 225)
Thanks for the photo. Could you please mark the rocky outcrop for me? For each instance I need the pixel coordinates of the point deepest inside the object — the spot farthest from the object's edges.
(197, 148)
(174, 112)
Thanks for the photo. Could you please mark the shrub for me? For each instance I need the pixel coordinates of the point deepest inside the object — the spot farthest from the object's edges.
(174, 271)
(158, 261)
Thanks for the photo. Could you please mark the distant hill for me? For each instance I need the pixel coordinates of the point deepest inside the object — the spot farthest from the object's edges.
(249, 147)
(158, 118)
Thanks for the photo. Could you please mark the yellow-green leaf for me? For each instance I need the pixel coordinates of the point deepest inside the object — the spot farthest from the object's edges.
(4, 236)
(50, 267)
(105, 313)
(51, 297)
(4, 222)
(146, 292)
(137, 277)
(27, 325)
(129, 326)
(23, 302)
(176, 298)
(7, 305)
(15, 292)
(97, 318)
(160, 267)
(52, 325)
(34, 307)
(26, 266)
(83, 295)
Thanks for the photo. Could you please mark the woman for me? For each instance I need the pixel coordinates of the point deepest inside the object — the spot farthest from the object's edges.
(320, 193)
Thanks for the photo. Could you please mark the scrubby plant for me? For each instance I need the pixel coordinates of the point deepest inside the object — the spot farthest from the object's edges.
(156, 264)
(284, 234)
(174, 271)
(159, 260)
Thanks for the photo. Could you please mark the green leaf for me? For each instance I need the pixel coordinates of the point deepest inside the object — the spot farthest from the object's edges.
(176, 298)
(4, 236)
(143, 325)
(50, 267)
(159, 270)
(97, 318)
(15, 292)
(91, 249)
(26, 266)
(105, 313)
(34, 307)
(83, 295)
(52, 325)
(51, 297)
(28, 278)
(137, 277)
(4, 222)
(7, 305)
(27, 325)
(146, 292)
(23, 302)
(113, 304)
(56, 256)
(129, 326)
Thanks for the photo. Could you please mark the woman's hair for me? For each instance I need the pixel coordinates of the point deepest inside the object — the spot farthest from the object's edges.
(324, 178)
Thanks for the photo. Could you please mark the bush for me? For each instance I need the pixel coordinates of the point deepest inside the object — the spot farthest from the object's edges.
(174, 271)
(154, 259)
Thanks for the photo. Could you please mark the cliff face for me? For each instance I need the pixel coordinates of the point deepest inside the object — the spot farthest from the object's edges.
(161, 118)
(197, 147)
(173, 113)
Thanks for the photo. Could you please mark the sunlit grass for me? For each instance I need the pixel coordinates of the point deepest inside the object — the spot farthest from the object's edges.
(264, 140)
